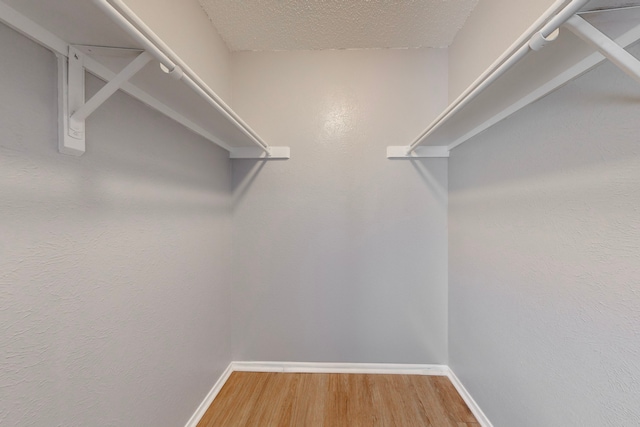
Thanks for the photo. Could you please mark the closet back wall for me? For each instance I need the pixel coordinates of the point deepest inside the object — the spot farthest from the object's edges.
(114, 266)
(340, 255)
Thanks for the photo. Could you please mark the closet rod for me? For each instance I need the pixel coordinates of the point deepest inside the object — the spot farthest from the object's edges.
(534, 38)
(175, 67)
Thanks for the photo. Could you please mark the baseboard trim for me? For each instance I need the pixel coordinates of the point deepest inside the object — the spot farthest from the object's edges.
(471, 403)
(339, 368)
(208, 400)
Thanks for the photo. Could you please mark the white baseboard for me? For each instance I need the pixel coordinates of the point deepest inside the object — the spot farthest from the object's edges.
(339, 368)
(471, 403)
(208, 400)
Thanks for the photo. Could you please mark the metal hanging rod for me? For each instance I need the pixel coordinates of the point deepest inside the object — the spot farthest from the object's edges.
(534, 39)
(174, 66)
(542, 32)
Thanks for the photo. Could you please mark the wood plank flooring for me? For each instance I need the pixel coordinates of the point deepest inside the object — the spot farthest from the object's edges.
(336, 400)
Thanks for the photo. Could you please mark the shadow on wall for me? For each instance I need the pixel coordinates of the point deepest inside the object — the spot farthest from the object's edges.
(538, 147)
(431, 182)
(119, 172)
(565, 164)
(555, 204)
(245, 173)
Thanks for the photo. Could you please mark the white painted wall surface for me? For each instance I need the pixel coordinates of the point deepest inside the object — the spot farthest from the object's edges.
(489, 31)
(185, 27)
(545, 259)
(114, 267)
(340, 255)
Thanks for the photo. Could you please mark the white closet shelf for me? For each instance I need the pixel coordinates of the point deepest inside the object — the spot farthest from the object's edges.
(80, 30)
(562, 44)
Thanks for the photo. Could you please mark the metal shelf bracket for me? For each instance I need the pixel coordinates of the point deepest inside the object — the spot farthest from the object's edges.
(274, 153)
(73, 110)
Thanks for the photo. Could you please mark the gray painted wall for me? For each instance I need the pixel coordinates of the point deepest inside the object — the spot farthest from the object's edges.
(340, 255)
(114, 267)
(544, 250)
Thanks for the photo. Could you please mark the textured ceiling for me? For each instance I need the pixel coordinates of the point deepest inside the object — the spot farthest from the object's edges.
(337, 24)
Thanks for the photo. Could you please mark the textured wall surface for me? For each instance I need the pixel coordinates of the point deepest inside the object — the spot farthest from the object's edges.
(340, 254)
(185, 27)
(335, 24)
(490, 29)
(114, 267)
(545, 259)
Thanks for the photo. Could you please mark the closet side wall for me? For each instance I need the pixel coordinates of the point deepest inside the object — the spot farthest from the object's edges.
(544, 238)
(490, 29)
(114, 266)
(340, 255)
(185, 27)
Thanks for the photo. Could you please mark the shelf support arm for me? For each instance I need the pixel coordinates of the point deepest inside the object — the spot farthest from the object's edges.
(112, 87)
(607, 47)
(72, 108)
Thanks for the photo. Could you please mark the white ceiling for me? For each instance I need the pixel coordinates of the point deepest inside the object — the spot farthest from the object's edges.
(337, 24)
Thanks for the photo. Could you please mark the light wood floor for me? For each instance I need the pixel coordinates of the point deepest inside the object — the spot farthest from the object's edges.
(336, 400)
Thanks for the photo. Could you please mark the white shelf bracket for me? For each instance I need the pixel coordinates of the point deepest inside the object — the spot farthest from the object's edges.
(274, 153)
(72, 108)
(607, 47)
(405, 152)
